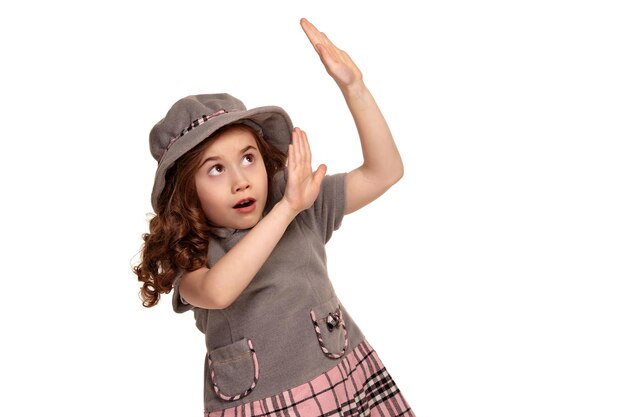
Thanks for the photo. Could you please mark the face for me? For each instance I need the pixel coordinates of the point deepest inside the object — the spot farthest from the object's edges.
(232, 181)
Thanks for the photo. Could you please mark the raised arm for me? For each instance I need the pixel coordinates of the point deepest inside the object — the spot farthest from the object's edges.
(382, 166)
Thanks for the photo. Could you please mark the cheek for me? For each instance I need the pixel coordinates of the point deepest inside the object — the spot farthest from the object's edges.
(206, 195)
(261, 174)
(265, 189)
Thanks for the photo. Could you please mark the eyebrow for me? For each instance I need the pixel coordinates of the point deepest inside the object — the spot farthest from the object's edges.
(217, 158)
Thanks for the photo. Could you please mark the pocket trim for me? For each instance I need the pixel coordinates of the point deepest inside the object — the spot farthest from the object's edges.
(331, 318)
(255, 379)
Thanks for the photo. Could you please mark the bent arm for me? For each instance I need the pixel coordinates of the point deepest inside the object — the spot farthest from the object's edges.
(218, 287)
(382, 166)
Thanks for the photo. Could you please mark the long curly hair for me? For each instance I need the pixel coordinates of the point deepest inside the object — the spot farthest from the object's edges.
(179, 230)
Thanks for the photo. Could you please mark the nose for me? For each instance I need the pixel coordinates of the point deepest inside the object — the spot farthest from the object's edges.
(240, 181)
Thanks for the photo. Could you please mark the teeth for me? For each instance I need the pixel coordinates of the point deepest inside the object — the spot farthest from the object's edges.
(244, 203)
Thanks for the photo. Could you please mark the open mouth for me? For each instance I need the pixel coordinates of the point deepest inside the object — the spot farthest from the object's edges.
(245, 203)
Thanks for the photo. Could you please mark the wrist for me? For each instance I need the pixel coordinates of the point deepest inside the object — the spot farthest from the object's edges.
(285, 211)
(354, 90)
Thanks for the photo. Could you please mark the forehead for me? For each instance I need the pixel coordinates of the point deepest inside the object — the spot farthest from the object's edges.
(231, 140)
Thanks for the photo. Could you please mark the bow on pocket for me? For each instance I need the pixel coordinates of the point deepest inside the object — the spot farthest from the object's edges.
(330, 328)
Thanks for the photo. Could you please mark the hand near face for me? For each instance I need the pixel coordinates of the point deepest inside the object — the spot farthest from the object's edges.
(303, 185)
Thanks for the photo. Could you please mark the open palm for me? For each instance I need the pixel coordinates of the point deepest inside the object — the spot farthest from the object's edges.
(303, 185)
(337, 62)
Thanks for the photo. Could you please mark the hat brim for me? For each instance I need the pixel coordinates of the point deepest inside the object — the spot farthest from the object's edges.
(274, 122)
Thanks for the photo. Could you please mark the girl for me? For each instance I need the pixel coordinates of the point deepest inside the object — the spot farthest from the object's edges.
(239, 232)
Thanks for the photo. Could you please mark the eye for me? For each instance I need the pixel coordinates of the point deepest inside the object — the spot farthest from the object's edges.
(216, 170)
(247, 159)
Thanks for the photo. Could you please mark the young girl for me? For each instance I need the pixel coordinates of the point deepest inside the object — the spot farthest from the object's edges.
(239, 233)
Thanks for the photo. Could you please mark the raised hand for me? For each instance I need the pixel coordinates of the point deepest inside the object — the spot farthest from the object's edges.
(338, 63)
(303, 185)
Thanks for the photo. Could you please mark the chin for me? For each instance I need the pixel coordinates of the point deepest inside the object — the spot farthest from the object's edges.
(248, 224)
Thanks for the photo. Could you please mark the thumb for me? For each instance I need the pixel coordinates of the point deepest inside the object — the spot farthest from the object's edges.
(319, 174)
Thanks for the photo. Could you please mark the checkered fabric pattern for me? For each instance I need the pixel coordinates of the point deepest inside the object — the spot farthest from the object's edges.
(358, 386)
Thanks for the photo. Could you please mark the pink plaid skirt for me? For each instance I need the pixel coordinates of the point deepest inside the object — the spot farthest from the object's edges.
(358, 386)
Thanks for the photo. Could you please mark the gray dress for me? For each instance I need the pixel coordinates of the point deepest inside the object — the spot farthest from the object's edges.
(288, 326)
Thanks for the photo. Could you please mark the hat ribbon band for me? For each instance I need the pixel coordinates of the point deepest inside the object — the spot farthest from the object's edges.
(201, 120)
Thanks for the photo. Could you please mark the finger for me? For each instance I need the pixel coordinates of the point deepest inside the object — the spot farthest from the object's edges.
(315, 36)
(289, 156)
(327, 42)
(319, 174)
(306, 147)
(297, 146)
(326, 56)
(302, 145)
(311, 31)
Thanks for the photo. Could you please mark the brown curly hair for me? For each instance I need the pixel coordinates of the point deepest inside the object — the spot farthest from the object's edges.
(179, 230)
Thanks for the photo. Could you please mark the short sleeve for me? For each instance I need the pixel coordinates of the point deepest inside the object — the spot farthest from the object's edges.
(178, 303)
(327, 212)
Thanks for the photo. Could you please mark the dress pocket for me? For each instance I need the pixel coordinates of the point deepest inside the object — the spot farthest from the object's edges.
(233, 370)
(330, 328)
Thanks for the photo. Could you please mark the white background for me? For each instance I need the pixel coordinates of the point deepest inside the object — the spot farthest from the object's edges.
(490, 280)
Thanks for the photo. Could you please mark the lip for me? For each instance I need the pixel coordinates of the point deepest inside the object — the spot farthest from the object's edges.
(246, 209)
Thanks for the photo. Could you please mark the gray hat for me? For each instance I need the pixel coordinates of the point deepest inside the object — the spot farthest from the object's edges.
(194, 118)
